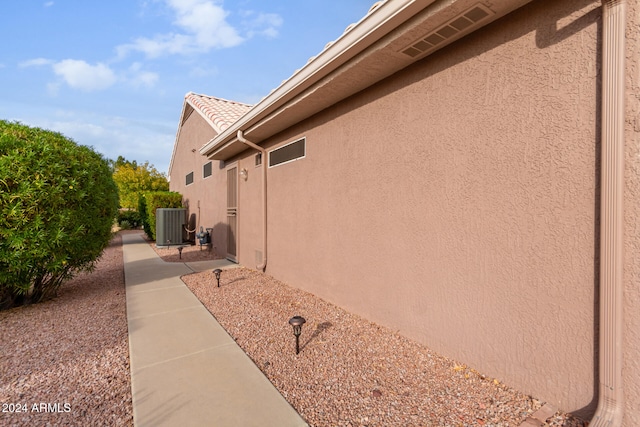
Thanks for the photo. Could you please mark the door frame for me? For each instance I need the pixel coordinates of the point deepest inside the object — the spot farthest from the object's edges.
(232, 211)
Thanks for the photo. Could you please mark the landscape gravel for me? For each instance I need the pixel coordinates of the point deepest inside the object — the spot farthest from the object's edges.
(190, 253)
(350, 371)
(65, 362)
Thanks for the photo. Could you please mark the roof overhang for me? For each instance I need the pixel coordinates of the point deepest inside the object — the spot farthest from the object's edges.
(393, 35)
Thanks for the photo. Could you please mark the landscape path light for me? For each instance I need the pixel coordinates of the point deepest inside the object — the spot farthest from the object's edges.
(217, 272)
(297, 322)
(180, 248)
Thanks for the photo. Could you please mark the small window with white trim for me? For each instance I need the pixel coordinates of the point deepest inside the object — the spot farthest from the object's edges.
(288, 153)
(207, 170)
(258, 159)
(189, 178)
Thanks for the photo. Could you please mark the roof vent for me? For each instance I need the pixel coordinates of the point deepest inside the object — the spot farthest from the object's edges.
(458, 26)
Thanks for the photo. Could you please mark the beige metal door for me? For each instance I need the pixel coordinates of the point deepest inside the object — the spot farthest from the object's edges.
(232, 213)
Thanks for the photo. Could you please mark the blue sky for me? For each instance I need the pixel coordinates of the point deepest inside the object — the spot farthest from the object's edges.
(113, 74)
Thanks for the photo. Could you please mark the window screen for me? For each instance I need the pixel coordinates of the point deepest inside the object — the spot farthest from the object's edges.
(206, 170)
(287, 153)
(189, 178)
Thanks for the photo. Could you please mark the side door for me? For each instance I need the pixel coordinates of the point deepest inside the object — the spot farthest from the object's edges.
(232, 213)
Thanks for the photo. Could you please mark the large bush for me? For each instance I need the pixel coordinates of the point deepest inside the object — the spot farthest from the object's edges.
(133, 180)
(128, 219)
(58, 202)
(149, 202)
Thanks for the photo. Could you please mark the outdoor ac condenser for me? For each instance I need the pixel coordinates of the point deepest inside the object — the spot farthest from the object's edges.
(169, 226)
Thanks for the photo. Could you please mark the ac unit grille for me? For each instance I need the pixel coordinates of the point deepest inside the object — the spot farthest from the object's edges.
(169, 226)
(461, 24)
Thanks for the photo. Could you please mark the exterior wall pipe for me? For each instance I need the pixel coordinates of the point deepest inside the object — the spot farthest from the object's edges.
(610, 410)
(242, 139)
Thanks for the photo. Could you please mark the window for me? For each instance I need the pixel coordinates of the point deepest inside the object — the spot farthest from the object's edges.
(258, 159)
(189, 178)
(206, 170)
(288, 153)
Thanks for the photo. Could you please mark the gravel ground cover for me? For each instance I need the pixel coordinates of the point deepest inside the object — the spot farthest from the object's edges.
(65, 362)
(190, 253)
(351, 372)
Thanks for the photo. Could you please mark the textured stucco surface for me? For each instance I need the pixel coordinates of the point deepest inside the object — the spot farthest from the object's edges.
(631, 369)
(211, 193)
(458, 202)
(205, 199)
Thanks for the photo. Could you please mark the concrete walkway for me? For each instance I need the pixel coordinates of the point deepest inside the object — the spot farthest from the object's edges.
(185, 369)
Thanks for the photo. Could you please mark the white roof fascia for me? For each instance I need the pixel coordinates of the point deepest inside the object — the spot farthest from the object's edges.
(175, 143)
(362, 35)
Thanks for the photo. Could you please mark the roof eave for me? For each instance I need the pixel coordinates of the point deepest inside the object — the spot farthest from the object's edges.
(227, 150)
(175, 142)
(367, 31)
(371, 29)
(198, 110)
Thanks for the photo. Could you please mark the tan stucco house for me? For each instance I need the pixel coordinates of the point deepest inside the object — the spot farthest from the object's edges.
(464, 171)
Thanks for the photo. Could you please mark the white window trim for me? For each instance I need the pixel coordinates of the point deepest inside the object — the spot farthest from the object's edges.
(284, 145)
(207, 177)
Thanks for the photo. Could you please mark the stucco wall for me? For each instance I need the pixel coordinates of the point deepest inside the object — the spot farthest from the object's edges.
(457, 202)
(210, 193)
(206, 197)
(250, 212)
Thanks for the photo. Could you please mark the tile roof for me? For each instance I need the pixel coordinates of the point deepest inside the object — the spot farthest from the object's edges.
(220, 113)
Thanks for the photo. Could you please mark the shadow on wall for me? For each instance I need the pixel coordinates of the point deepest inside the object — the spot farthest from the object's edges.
(220, 234)
(191, 228)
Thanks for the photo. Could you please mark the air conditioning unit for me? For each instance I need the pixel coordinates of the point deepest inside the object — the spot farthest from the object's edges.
(170, 225)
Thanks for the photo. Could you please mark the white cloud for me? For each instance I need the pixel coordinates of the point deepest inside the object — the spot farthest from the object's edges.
(266, 24)
(138, 77)
(199, 72)
(203, 26)
(145, 78)
(79, 74)
(37, 62)
(48, 4)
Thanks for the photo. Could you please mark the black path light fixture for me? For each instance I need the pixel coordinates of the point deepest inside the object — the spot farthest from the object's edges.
(217, 272)
(180, 248)
(297, 322)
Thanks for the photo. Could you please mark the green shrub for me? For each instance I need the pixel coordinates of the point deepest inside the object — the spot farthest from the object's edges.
(131, 218)
(150, 201)
(58, 202)
(144, 217)
(133, 179)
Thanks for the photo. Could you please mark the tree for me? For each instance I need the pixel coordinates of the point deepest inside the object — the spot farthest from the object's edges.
(150, 202)
(58, 202)
(133, 179)
(121, 161)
